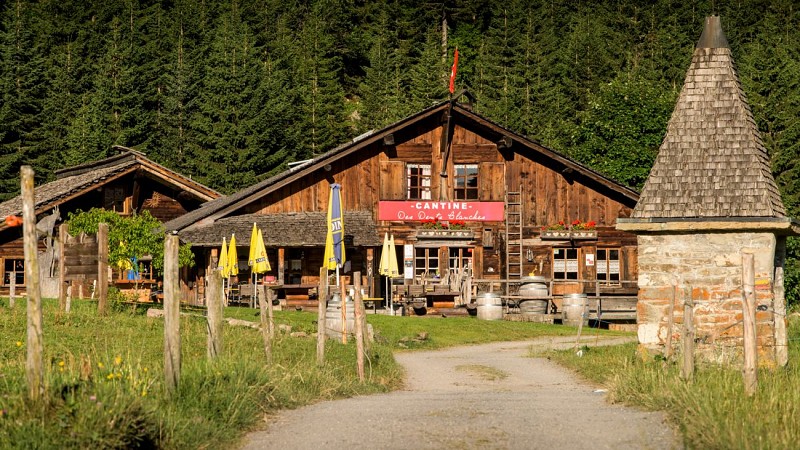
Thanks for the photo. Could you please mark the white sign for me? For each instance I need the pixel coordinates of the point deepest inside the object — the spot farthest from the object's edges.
(408, 261)
(589, 259)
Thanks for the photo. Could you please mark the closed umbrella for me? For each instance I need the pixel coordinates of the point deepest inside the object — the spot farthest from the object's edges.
(334, 241)
(388, 266)
(257, 259)
(222, 265)
(233, 258)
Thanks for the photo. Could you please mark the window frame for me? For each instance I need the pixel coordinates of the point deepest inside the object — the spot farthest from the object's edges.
(17, 273)
(565, 260)
(462, 189)
(420, 188)
(427, 255)
(606, 262)
(459, 257)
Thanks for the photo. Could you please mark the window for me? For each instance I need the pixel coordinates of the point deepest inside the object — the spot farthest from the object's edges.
(466, 182)
(460, 258)
(608, 266)
(565, 263)
(426, 260)
(419, 181)
(14, 269)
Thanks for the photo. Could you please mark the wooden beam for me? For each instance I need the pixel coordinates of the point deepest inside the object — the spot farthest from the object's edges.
(34, 365)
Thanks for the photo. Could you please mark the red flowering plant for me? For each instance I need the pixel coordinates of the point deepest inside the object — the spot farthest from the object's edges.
(578, 225)
(458, 225)
(556, 226)
(433, 224)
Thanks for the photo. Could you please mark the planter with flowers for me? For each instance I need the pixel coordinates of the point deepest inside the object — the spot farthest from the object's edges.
(577, 230)
(453, 229)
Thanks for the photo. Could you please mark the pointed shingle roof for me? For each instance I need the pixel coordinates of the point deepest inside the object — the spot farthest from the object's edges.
(712, 162)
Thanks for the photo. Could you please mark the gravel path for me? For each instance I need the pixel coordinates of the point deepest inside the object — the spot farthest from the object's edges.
(487, 396)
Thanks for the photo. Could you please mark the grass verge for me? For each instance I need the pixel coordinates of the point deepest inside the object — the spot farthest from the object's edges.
(711, 411)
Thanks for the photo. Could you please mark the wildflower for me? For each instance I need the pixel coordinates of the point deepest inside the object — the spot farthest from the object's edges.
(110, 376)
(118, 360)
(3, 412)
(19, 343)
(145, 370)
(144, 392)
(100, 365)
(93, 398)
(61, 364)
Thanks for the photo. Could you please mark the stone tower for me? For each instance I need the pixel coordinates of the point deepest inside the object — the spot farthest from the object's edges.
(710, 196)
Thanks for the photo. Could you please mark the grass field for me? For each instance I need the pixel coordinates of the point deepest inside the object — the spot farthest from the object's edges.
(104, 375)
(711, 411)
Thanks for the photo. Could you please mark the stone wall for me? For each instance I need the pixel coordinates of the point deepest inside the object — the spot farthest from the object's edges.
(707, 266)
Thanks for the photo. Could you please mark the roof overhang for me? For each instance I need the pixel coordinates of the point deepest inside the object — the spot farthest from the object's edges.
(777, 225)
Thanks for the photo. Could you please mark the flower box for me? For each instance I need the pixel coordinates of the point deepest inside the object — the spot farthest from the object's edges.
(444, 234)
(569, 234)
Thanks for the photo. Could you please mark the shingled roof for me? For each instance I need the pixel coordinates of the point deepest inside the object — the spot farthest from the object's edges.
(217, 209)
(76, 180)
(286, 229)
(712, 163)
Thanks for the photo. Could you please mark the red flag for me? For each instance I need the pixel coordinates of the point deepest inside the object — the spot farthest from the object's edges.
(453, 72)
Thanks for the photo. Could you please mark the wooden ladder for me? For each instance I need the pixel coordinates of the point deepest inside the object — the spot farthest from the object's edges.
(514, 235)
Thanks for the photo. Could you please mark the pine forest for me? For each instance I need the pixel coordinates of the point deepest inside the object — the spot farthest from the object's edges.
(229, 92)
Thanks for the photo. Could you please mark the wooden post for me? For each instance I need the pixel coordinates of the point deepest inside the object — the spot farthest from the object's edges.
(580, 324)
(359, 315)
(34, 364)
(270, 295)
(266, 332)
(102, 268)
(343, 296)
(687, 369)
(172, 337)
(749, 319)
(215, 314)
(323, 304)
(670, 323)
(12, 292)
(69, 298)
(62, 287)
(371, 272)
(779, 317)
(281, 265)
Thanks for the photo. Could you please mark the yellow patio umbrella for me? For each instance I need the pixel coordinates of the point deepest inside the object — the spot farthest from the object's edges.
(388, 265)
(233, 258)
(222, 265)
(261, 263)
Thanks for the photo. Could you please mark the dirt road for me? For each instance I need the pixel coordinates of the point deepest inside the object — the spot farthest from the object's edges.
(489, 396)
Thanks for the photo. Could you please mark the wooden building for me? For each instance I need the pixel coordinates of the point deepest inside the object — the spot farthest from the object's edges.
(127, 183)
(494, 191)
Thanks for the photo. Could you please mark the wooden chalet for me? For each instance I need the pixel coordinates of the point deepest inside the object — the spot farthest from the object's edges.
(459, 193)
(127, 183)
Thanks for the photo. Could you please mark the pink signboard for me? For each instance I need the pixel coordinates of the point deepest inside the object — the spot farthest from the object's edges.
(427, 210)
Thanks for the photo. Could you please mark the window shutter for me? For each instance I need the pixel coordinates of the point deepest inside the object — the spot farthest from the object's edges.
(393, 180)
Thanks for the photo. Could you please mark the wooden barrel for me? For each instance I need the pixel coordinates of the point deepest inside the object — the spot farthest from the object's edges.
(333, 317)
(490, 307)
(533, 287)
(574, 309)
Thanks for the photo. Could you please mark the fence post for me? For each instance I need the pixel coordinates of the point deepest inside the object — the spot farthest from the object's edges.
(62, 288)
(687, 370)
(781, 341)
(172, 337)
(358, 314)
(323, 300)
(749, 319)
(265, 328)
(102, 268)
(12, 293)
(214, 311)
(269, 294)
(670, 323)
(34, 364)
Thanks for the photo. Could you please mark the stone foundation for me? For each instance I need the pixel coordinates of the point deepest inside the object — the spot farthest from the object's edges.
(707, 267)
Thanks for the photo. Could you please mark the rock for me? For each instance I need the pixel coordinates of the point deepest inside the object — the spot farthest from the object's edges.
(283, 328)
(299, 334)
(153, 312)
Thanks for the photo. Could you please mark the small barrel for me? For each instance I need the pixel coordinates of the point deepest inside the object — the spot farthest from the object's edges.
(533, 287)
(490, 307)
(333, 316)
(574, 309)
